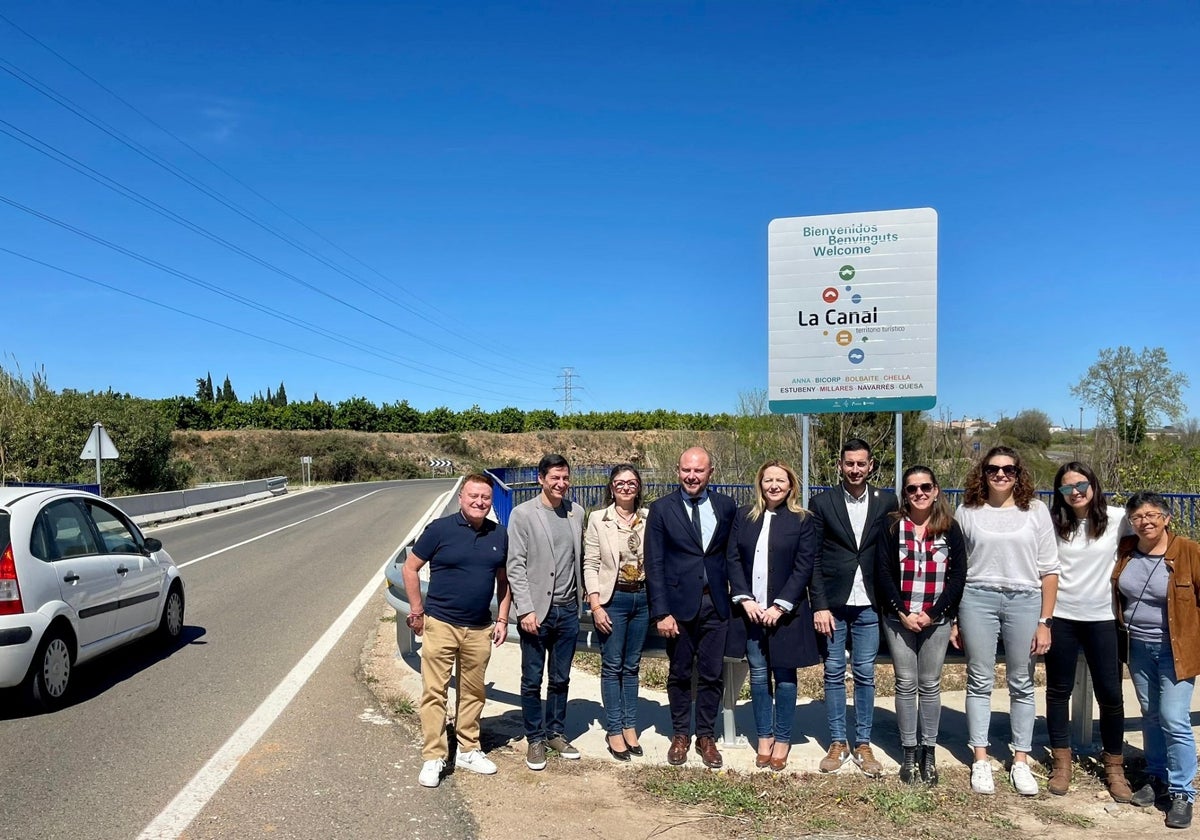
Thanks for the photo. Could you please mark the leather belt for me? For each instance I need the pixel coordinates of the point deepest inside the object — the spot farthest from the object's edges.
(630, 587)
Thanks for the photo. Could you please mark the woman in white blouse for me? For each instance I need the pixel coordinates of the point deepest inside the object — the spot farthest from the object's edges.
(1012, 578)
(1088, 529)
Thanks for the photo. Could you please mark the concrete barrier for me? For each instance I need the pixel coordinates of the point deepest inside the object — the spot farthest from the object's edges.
(148, 508)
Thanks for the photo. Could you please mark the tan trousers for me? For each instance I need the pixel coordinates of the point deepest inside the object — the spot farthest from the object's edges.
(444, 645)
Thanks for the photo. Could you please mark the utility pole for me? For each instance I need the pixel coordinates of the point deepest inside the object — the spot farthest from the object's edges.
(568, 390)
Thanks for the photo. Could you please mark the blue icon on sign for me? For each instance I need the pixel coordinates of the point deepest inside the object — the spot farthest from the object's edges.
(856, 356)
(857, 299)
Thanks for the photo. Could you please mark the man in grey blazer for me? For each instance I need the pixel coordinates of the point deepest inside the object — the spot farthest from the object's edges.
(849, 519)
(545, 546)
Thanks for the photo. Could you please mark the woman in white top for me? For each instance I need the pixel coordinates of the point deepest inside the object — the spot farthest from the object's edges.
(1012, 576)
(1087, 529)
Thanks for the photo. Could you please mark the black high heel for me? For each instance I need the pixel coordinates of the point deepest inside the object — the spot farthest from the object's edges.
(619, 755)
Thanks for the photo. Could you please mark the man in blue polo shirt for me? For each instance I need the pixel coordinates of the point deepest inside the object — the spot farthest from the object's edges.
(466, 554)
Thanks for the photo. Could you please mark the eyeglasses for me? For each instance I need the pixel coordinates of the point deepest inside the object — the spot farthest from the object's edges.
(913, 489)
(1009, 470)
(625, 485)
(1080, 487)
(1139, 518)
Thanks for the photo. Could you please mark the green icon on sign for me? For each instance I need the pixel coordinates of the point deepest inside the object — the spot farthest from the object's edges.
(846, 272)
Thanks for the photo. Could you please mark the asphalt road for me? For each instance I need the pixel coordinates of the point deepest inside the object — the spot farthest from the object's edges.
(143, 722)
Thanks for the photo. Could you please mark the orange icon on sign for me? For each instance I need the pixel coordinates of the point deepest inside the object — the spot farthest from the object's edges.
(843, 337)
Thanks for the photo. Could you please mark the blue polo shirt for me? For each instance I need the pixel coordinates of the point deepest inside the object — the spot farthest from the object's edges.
(462, 568)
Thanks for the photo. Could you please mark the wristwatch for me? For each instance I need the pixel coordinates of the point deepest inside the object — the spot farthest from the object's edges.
(1046, 622)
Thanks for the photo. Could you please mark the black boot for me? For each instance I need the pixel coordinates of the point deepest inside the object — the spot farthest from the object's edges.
(927, 762)
(908, 767)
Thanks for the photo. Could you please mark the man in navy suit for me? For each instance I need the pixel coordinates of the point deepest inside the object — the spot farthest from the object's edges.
(849, 519)
(686, 536)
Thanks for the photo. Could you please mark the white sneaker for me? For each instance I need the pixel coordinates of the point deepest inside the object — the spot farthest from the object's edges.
(431, 772)
(981, 777)
(476, 762)
(1022, 779)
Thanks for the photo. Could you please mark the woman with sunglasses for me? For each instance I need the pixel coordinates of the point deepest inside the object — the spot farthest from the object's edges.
(1012, 578)
(772, 549)
(1156, 593)
(614, 580)
(1087, 529)
(920, 569)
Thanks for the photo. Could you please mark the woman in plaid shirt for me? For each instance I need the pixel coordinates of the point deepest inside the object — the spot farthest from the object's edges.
(920, 569)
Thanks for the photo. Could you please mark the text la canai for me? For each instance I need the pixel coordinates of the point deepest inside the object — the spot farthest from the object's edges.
(838, 318)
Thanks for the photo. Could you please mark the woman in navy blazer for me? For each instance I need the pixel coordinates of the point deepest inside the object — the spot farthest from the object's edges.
(772, 548)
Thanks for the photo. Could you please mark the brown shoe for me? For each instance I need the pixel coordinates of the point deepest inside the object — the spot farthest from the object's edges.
(706, 748)
(677, 754)
(1060, 771)
(1114, 777)
(835, 758)
(778, 762)
(763, 759)
(866, 761)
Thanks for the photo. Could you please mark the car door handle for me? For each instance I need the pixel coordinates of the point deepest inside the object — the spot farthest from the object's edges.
(121, 570)
(71, 578)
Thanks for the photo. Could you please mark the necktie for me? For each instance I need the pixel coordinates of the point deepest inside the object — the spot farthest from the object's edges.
(695, 503)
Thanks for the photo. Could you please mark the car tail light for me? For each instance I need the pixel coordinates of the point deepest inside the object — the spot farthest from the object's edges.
(10, 591)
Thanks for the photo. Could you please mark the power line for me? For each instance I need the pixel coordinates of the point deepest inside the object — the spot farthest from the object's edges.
(64, 102)
(67, 160)
(225, 293)
(247, 333)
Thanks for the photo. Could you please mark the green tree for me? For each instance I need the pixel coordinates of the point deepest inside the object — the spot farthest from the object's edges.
(1133, 390)
(281, 396)
(1028, 427)
(358, 414)
(204, 389)
(227, 394)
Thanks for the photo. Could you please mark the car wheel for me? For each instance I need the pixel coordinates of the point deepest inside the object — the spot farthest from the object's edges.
(50, 674)
(171, 626)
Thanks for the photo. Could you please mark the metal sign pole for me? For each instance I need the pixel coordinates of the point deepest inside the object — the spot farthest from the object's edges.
(899, 451)
(804, 430)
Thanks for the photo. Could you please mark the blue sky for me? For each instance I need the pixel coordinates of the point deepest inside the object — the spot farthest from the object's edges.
(449, 203)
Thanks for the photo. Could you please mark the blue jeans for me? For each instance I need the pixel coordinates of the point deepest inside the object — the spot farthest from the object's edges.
(984, 616)
(555, 640)
(1166, 715)
(772, 718)
(862, 626)
(620, 658)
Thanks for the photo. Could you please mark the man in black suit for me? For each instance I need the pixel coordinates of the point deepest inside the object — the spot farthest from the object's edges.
(686, 536)
(849, 519)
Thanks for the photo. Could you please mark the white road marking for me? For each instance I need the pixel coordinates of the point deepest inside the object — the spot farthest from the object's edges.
(180, 811)
(276, 531)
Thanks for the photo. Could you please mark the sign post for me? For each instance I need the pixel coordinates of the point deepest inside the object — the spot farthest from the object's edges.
(852, 313)
(99, 445)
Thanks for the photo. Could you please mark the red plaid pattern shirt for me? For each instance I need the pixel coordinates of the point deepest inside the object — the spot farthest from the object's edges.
(922, 567)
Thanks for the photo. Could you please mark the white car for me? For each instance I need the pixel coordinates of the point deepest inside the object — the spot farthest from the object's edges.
(77, 579)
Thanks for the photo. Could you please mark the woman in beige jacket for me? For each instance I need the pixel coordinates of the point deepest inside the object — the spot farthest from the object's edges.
(614, 581)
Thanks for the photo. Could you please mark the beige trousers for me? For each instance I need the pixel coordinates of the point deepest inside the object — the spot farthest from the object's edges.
(443, 646)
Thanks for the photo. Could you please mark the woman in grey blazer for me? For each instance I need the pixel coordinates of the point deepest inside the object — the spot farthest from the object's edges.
(614, 583)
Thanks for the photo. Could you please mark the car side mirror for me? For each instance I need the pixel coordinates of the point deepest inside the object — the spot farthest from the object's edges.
(152, 545)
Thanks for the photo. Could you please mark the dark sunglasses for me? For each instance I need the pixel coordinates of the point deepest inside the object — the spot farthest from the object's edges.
(913, 489)
(1080, 487)
(1009, 470)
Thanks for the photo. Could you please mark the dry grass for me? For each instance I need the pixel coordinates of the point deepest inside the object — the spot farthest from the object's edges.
(787, 805)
